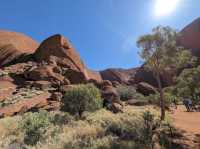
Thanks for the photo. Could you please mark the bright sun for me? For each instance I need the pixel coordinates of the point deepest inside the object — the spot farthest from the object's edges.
(165, 7)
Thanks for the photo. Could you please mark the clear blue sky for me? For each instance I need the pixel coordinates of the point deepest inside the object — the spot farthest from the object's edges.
(104, 32)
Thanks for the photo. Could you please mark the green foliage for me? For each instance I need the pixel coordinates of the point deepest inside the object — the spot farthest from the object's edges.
(161, 54)
(128, 92)
(61, 118)
(99, 130)
(188, 84)
(34, 125)
(147, 130)
(169, 98)
(82, 98)
(160, 51)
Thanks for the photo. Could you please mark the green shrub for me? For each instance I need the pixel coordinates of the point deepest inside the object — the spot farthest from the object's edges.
(34, 126)
(61, 118)
(188, 84)
(149, 123)
(128, 92)
(82, 98)
(155, 99)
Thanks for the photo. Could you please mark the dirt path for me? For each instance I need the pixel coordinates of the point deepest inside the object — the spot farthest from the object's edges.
(188, 124)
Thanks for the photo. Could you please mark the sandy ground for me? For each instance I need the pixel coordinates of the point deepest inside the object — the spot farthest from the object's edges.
(188, 123)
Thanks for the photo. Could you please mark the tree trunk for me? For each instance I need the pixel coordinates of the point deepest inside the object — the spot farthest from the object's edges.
(162, 102)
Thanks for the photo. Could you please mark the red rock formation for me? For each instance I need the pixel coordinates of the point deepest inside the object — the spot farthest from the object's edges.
(13, 45)
(190, 37)
(94, 75)
(134, 76)
(57, 48)
(36, 102)
(6, 88)
(120, 75)
(44, 73)
(58, 51)
(145, 88)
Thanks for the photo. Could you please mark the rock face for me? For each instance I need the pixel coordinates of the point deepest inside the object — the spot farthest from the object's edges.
(122, 76)
(45, 73)
(94, 75)
(145, 88)
(36, 102)
(58, 50)
(14, 45)
(190, 37)
(7, 88)
(132, 76)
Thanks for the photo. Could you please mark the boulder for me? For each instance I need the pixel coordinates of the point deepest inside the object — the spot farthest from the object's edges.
(145, 88)
(111, 97)
(45, 73)
(36, 102)
(15, 46)
(109, 91)
(75, 77)
(57, 49)
(43, 85)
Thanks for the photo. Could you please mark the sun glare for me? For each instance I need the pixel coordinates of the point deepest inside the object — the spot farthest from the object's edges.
(165, 7)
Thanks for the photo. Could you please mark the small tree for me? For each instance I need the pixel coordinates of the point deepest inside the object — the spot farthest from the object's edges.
(161, 54)
(82, 98)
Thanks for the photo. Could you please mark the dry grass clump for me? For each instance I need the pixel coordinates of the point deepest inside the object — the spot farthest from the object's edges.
(8, 126)
(98, 130)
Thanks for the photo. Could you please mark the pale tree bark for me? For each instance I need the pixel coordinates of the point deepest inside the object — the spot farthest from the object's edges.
(162, 102)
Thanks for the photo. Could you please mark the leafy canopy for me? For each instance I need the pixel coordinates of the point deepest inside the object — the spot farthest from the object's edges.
(160, 51)
(188, 83)
(82, 98)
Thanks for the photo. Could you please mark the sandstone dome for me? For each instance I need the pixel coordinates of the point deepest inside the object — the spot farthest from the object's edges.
(13, 45)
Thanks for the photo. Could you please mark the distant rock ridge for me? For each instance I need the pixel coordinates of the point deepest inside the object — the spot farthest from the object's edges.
(190, 37)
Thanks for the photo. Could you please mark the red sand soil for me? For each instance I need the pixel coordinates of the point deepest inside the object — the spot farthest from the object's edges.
(188, 123)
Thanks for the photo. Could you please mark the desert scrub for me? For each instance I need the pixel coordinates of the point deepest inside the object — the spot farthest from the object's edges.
(100, 129)
(128, 92)
(9, 126)
(155, 99)
(61, 118)
(34, 125)
(9, 131)
(82, 98)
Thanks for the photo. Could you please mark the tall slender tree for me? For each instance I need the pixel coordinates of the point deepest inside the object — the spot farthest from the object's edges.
(160, 53)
